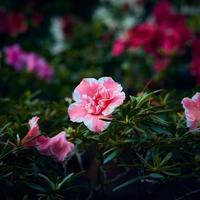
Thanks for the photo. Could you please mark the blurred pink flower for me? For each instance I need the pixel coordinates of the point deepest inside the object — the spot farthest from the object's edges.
(39, 66)
(192, 110)
(32, 62)
(15, 56)
(141, 34)
(95, 100)
(58, 147)
(17, 23)
(118, 47)
(161, 63)
(170, 42)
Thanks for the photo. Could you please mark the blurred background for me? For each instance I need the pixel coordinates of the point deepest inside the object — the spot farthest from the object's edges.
(140, 43)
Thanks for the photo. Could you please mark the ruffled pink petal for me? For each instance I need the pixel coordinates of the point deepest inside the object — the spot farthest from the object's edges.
(59, 147)
(77, 112)
(95, 124)
(87, 86)
(188, 104)
(110, 84)
(117, 101)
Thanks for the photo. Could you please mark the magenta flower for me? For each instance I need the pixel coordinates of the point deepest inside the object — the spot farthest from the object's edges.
(39, 66)
(32, 62)
(57, 147)
(142, 34)
(15, 56)
(192, 110)
(118, 47)
(95, 100)
(171, 41)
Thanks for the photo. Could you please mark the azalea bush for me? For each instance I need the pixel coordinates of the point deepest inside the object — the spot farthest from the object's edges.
(102, 103)
(147, 141)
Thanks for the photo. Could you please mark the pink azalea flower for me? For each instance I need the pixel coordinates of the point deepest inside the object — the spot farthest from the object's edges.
(118, 47)
(57, 147)
(95, 100)
(31, 137)
(15, 56)
(192, 110)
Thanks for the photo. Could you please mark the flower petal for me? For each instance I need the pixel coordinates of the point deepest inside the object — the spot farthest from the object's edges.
(95, 124)
(87, 86)
(196, 99)
(109, 83)
(33, 122)
(77, 112)
(117, 101)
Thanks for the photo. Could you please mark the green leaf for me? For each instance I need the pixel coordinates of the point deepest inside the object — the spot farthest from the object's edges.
(139, 178)
(36, 187)
(111, 156)
(4, 127)
(166, 159)
(66, 179)
(51, 184)
(156, 176)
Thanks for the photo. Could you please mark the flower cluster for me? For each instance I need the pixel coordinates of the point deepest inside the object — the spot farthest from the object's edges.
(14, 23)
(162, 37)
(57, 147)
(32, 62)
(95, 101)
